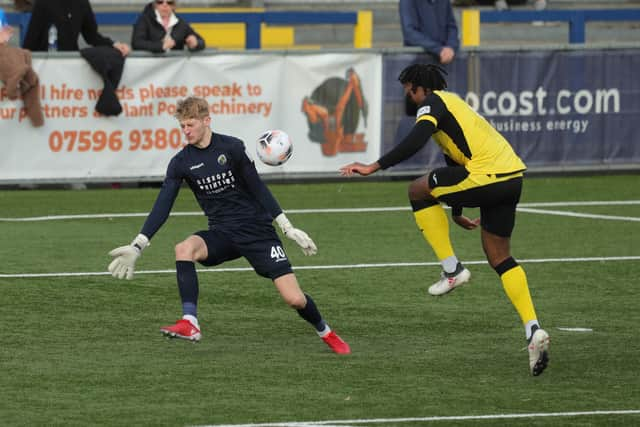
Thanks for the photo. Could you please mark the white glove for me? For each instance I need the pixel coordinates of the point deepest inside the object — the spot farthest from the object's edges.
(126, 256)
(300, 237)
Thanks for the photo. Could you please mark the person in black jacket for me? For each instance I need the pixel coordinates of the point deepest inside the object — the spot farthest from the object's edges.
(71, 18)
(158, 30)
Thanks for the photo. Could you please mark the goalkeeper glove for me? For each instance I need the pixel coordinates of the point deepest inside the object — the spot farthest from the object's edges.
(126, 256)
(300, 237)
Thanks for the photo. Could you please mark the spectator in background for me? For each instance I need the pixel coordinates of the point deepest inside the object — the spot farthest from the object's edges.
(158, 30)
(431, 25)
(18, 76)
(71, 18)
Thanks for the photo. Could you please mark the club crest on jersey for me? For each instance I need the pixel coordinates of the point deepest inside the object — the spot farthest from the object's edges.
(222, 160)
(423, 110)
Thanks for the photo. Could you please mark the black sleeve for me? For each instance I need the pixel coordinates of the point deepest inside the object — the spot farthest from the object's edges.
(164, 202)
(140, 39)
(450, 161)
(456, 210)
(260, 191)
(255, 184)
(181, 31)
(36, 38)
(417, 138)
(90, 32)
(201, 44)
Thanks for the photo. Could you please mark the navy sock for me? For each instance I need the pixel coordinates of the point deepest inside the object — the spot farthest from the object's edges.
(188, 286)
(311, 314)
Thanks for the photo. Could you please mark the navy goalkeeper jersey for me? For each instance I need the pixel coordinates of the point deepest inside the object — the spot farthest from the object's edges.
(225, 182)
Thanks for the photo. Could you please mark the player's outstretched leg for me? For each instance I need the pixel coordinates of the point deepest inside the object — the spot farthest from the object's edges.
(184, 329)
(335, 343)
(305, 306)
(538, 352)
(432, 222)
(311, 314)
(514, 282)
(450, 281)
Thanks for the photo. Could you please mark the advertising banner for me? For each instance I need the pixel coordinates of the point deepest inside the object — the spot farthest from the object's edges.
(328, 104)
(558, 109)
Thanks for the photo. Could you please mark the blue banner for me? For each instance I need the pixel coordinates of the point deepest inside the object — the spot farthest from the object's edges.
(558, 109)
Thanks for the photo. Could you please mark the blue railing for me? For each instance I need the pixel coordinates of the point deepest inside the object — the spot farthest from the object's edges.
(576, 18)
(252, 20)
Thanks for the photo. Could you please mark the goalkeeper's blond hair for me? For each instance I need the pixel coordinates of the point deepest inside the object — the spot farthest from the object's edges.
(192, 108)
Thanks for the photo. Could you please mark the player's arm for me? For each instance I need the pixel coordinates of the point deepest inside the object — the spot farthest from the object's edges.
(410, 145)
(162, 207)
(125, 257)
(449, 161)
(261, 192)
(456, 211)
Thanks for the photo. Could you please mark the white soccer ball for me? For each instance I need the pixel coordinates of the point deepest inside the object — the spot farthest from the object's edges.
(274, 147)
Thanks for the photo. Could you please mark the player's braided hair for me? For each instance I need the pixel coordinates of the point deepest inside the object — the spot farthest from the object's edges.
(429, 76)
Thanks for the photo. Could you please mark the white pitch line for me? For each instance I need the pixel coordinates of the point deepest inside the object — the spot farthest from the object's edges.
(522, 206)
(579, 214)
(574, 329)
(320, 267)
(585, 203)
(343, 423)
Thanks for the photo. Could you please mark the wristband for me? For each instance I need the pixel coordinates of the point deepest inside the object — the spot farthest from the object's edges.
(140, 242)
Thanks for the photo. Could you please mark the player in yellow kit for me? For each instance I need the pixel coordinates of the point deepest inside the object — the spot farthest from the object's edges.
(482, 171)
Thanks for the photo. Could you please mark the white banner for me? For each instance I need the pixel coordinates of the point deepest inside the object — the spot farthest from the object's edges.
(321, 101)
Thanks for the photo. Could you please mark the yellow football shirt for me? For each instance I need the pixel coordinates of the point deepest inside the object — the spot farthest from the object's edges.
(466, 137)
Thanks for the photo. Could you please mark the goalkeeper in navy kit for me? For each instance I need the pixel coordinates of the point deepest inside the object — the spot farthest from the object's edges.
(240, 211)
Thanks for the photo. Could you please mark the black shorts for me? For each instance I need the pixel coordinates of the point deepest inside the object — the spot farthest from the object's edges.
(260, 245)
(496, 195)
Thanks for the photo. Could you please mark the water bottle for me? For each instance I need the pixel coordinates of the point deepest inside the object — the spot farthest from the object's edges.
(53, 38)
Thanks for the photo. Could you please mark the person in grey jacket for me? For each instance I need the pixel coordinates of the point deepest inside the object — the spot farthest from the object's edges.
(430, 24)
(159, 29)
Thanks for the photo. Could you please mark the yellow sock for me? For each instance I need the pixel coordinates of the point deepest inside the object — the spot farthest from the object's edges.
(514, 282)
(434, 225)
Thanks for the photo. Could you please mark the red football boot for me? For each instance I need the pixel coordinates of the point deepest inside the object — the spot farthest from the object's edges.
(182, 329)
(336, 343)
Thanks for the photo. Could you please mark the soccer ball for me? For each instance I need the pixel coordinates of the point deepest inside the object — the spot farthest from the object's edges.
(274, 147)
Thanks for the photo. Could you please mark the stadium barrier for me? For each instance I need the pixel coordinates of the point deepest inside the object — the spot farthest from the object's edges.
(577, 20)
(563, 109)
(253, 22)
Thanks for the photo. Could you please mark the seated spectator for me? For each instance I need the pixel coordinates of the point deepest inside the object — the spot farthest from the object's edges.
(18, 76)
(158, 30)
(70, 17)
